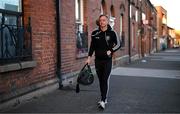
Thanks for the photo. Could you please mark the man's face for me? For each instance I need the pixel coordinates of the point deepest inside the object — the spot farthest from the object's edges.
(103, 21)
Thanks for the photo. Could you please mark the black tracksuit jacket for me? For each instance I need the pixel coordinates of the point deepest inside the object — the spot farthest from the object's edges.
(101, 42)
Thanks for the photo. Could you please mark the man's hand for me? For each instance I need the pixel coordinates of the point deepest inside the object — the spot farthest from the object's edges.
(88, 61)
(109, 53)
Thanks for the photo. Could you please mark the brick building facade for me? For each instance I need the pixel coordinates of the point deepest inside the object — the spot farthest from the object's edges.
(58, 48)
(148, 27)
(162, 29)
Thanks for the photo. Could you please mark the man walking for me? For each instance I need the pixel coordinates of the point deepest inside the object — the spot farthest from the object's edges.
(104, 42)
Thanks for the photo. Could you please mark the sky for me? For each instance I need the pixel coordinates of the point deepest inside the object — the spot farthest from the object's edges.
(12, 2)
(173, 11)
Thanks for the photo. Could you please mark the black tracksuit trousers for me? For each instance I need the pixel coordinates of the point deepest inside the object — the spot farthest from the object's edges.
(103, 70)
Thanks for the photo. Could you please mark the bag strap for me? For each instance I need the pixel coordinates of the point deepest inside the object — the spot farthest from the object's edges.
(106, 40)
(89, 68)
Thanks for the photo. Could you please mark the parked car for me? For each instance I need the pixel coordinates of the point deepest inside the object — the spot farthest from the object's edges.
(175, 46)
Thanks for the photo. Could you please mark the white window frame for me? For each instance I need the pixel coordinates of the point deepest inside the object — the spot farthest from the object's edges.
(121, 24)
(102, 12)
(133, 36)
(137, 15)
(79, 14)
(130, 11)
(143, 16)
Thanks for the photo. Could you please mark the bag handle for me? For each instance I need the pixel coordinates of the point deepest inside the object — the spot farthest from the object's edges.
(84, 66)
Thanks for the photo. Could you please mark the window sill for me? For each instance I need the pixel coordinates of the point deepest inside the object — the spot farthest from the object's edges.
(17, 66)
(82, 55)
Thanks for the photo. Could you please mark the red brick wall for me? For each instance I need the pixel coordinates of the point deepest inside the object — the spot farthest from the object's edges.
(44, 37)
(68, 44)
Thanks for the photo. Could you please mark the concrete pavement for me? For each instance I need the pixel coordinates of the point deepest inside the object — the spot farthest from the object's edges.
(150, 86)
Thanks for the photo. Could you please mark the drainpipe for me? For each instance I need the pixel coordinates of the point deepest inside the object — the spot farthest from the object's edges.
(58, 43)
(129, 31)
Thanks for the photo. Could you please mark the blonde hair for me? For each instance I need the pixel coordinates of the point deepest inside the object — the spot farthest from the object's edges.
(104, 16)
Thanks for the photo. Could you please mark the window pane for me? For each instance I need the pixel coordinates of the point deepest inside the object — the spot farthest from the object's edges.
(13, 5)
(10, 20)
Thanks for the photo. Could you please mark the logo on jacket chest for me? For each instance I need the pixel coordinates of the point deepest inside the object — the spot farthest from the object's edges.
(107, 38)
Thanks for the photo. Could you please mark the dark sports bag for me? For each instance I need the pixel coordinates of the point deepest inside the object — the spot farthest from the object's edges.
(85, 77)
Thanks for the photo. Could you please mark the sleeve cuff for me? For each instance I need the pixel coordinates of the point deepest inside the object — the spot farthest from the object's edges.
(111, 50)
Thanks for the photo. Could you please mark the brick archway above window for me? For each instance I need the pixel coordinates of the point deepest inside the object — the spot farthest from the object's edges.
(122, 9)
(137, 4)
(104, 7)
(112, 11)
(132, 2)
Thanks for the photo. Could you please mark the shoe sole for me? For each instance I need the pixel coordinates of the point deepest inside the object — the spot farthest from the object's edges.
(101, 107)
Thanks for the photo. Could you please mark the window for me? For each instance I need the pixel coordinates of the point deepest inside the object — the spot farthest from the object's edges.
(112, 11)
(10, 5)
(78, 10)
(164, 21)
(133, 43)
(122, 35)
(81, 30)
(112, 17)
(103, 7)
(143, 16)
(137, 16)
(121, 24)
(12, 33)
(130, 11)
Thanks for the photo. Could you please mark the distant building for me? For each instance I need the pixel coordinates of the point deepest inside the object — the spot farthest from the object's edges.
(171, 37)
(162, 29)
(177, 39)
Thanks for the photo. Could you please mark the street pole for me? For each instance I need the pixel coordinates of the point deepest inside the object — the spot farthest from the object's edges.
(142, 30)
(58, 42)
(129, 31)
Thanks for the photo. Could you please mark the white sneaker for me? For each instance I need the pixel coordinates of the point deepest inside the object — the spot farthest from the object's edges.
(102, 105)
(104, 102)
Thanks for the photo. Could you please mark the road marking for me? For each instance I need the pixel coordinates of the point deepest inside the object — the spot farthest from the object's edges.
(172, 51)
(166, 58)
(163, 54)
(141, 72)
